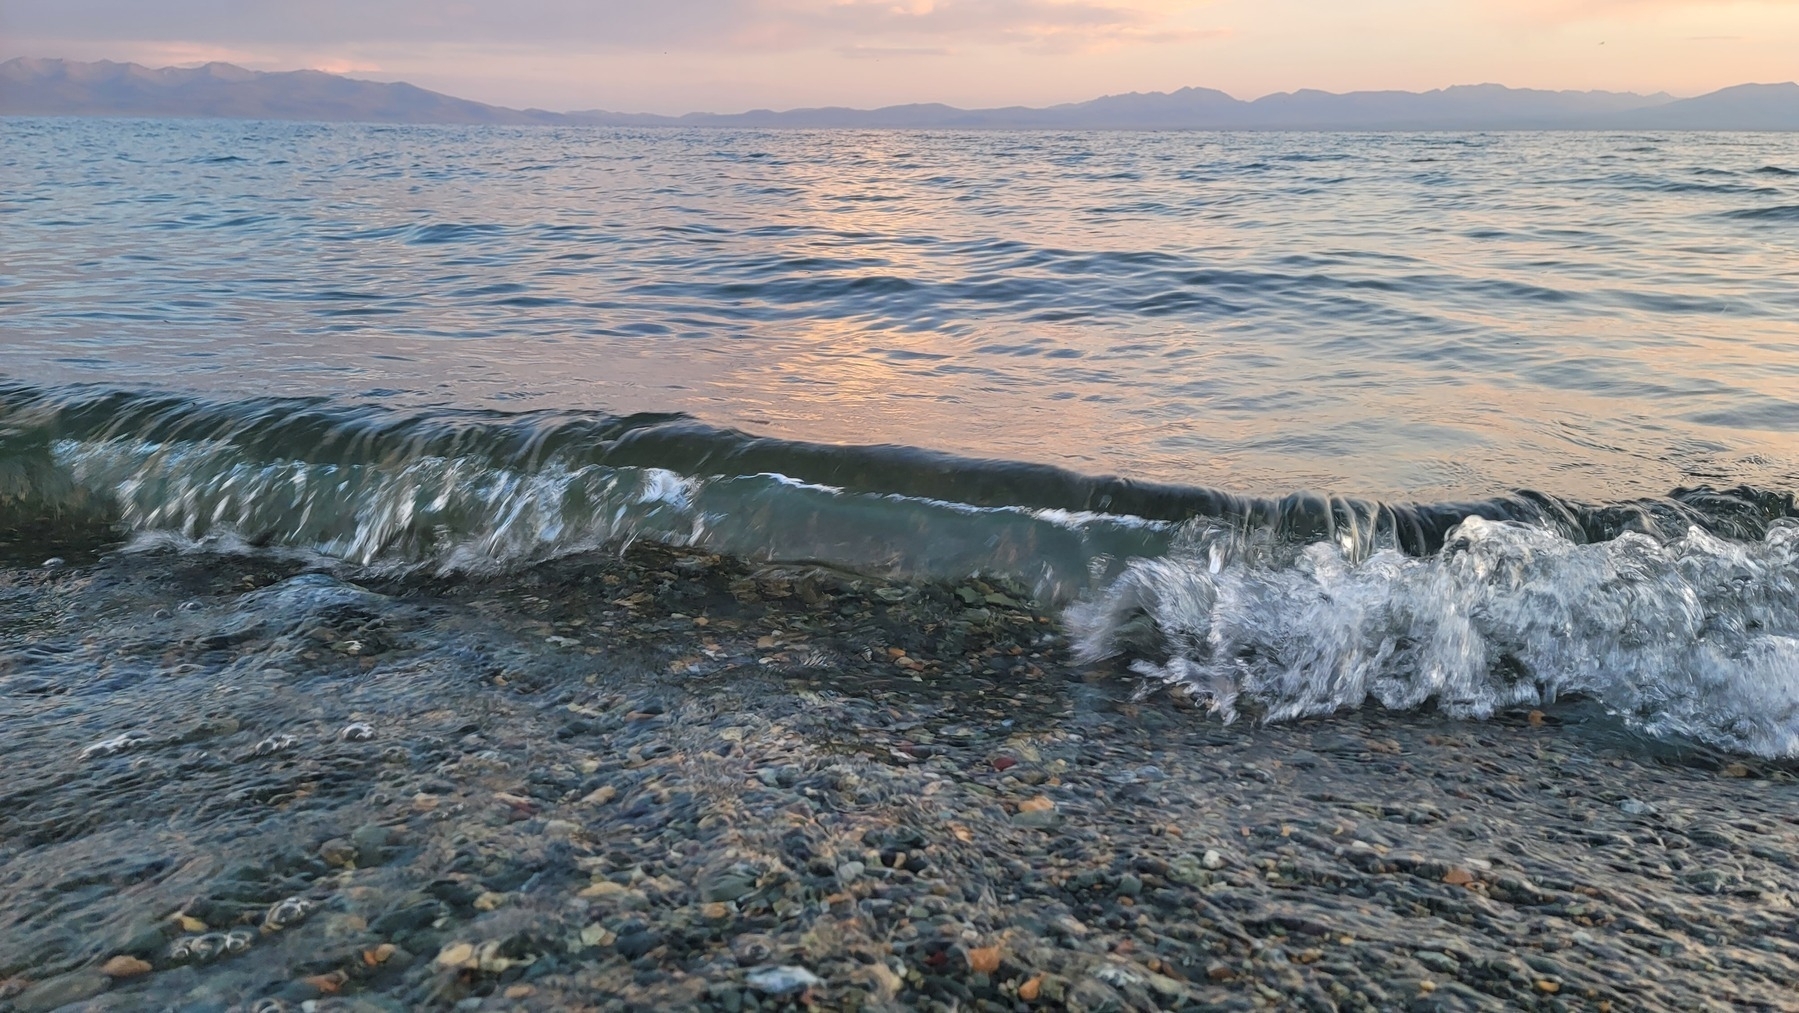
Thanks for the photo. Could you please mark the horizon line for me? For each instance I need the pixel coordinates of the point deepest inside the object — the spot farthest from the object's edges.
(359, 76)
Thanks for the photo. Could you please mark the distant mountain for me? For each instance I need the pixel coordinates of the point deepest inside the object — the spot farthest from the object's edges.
(1474, 107)
(1744, 107)
(1464, 107)
(69, 88)
(221, 90)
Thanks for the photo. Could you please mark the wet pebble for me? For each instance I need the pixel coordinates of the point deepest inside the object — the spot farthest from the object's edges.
(729, 884)
(200, 949)
(125, 966)
(371, 843)
(636, 944)
(337, 852)
(784, 980)
(866, 846)
(286, 913)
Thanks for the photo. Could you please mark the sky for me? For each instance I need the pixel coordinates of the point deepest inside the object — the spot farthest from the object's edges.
(674, 56)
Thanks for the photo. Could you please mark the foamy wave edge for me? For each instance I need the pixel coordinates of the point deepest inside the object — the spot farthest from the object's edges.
(1694, 637)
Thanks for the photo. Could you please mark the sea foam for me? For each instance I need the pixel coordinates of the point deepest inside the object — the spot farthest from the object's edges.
(1697, 636)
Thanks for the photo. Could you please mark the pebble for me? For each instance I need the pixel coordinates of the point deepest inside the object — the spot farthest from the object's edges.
(1636, 807)
(337, 852)
(1039, 812)
(371, 842)
(456, 955)
(782, 980)
(730, 884)
(125, 966)
(200, 949)
(636, 944)
(865, 831)
(1041, 819)
(1440, 962)
(286, 912)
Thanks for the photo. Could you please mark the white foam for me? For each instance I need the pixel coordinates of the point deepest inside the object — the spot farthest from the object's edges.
(1696, 637)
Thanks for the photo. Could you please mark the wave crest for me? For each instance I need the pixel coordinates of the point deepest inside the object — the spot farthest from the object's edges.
(1697, 636)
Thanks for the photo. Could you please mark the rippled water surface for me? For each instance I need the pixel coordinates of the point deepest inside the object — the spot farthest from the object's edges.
(1415, 316)
(1543, 384)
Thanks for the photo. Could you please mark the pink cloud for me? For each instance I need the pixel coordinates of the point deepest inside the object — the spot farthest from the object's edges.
(1573, 11)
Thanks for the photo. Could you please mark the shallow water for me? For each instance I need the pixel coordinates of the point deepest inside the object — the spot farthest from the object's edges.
(268, 784)
(1103, 366)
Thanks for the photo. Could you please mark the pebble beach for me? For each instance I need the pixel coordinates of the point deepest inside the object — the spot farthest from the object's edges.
(652, 778)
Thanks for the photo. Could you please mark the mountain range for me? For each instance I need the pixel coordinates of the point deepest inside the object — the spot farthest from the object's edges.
(46, 87)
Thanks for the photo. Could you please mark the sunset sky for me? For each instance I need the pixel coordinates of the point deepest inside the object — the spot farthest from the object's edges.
(728, 55)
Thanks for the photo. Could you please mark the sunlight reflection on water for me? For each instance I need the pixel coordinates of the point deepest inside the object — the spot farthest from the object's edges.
(1420, 315)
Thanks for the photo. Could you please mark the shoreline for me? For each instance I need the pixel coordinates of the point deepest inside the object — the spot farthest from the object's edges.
(661, 779)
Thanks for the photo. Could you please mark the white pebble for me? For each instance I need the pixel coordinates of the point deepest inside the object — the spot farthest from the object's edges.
(782, 980)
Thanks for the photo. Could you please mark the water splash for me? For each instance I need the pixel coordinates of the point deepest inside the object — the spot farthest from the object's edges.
(1680, 614)
(1697, 636)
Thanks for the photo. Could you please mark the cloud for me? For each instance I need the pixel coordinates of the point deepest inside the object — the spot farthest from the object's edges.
(1575, 11)
(608, 25)
(889, 52)
(1040, 26)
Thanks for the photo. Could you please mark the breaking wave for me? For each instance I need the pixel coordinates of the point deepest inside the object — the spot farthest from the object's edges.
(1680, 613)
(1694, 637)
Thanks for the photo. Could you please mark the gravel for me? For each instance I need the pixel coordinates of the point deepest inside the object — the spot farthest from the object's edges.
(656, 779)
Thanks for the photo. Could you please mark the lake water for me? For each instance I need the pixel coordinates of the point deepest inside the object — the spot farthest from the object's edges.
(1247, 385)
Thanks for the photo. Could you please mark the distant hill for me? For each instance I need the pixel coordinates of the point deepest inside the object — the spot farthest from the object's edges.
(1744, 107)
(1474, 107)
(221, 90)
(31, 87)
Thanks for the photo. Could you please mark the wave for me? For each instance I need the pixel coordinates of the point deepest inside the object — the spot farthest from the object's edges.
(1770, 213)
(1696, 637)
(472, 490)
(309, 471)
(1680, 613)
